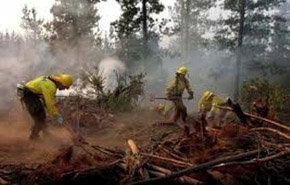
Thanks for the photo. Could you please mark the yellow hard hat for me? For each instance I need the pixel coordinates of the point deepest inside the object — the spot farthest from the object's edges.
(182, 70)
(65, 79)
(208, 95)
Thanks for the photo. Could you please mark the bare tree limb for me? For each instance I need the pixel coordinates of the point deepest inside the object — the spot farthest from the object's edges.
(281, 125)
(167, 159)
(182, 179)
(199, 167)
(272, 130)
(261, 160)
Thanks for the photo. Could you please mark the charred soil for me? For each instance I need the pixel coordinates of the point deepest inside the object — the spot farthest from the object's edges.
(129, 148)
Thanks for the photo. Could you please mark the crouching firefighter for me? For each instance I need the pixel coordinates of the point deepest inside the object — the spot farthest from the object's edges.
(174, 93)
(40, 94)
(208, 108)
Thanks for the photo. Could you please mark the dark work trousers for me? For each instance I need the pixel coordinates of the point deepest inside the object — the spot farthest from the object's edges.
(179, 110)
(36, 110)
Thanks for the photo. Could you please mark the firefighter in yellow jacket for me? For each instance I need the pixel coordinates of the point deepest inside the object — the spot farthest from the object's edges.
(43, 89)
(174, 93)
(208, 105)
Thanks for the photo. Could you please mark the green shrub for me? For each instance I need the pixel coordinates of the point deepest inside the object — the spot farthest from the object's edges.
(124, 97)
(274, 95)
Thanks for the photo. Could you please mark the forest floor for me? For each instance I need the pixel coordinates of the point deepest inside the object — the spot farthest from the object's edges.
(130, 148)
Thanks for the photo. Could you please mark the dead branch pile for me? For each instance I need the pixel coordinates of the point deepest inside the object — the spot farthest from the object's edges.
(83, 111)
(235, 154)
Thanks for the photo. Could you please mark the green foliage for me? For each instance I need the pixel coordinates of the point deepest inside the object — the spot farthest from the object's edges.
(130, 21)
(274, 95)
(138, 49)
(73, 34)
(73, 20)
(259, 26)
(93, 79)
(280, 46)
(126, 95)
(123, 97)
(248, 32)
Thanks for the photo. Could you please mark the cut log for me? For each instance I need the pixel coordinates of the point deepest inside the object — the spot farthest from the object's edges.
(133, 146)
(135, 151)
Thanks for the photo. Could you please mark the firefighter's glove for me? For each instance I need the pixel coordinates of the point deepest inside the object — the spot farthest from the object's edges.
(60, 120)
(190, 95)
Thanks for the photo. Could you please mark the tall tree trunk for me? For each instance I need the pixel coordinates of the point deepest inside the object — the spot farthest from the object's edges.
(34, 27)
(182, 30)
(242, 6)
(144, 23)
(186, 31)
(145, 33)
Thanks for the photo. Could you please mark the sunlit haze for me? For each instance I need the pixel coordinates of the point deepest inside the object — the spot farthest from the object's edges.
(11, 12)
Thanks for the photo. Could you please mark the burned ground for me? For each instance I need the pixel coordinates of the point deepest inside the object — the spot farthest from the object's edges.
(129, 148)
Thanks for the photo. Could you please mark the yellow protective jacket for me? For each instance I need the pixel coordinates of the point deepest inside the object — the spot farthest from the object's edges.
(177, 86)
(44, 86)
(206, 105)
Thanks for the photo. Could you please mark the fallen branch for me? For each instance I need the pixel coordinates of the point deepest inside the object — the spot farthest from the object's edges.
(164, 172)
(199, 167)
(261, 160)
(106, 151)
(278, 146)
(272, 130)
(281, 125)
(135, 151)
(174, 155)
(167, 159)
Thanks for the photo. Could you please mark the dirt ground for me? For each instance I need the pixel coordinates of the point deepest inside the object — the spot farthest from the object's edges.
(55, 155)
(112, 132)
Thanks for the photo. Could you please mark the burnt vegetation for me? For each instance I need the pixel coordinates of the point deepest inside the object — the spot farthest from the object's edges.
(248, 52)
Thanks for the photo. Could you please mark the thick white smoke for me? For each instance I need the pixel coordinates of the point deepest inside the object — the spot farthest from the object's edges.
(108, 69)
(20, 62)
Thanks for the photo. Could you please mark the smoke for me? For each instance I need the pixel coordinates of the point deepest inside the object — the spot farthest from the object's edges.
(19, 60)
(109, 68)
(211, 70)
(23, 59)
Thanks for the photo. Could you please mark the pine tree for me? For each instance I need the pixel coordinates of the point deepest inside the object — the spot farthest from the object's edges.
(246, 31)
(73, 20)
(280, 41)
(190, 24)
(136, 32)
(73, 29)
